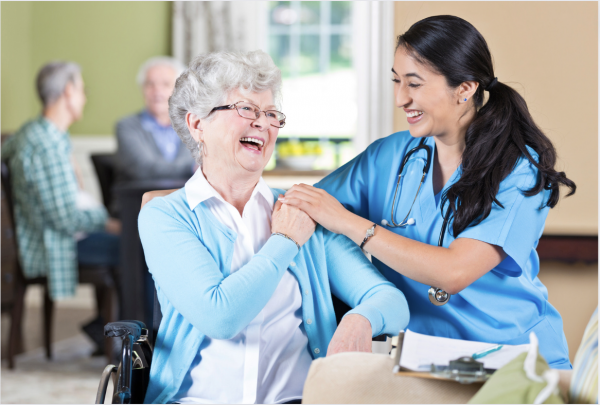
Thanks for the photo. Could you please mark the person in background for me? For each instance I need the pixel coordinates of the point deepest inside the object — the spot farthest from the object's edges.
(58, 226)
(148, 147)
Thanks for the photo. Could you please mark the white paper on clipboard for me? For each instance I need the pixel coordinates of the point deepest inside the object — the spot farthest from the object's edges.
(420, 351)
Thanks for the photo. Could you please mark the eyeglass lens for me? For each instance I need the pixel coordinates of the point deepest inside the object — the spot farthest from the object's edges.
(250, 111)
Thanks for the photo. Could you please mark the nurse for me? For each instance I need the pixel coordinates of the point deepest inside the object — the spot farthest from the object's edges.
(492, 172)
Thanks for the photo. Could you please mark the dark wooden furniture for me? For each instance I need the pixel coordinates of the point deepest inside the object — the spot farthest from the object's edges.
(14, 283)
(135, 282)
(104, 164)
(101, 277)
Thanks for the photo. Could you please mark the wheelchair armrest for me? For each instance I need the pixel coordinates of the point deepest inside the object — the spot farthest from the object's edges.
(125, 328)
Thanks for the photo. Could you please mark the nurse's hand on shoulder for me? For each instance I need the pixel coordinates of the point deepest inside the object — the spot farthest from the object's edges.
(292, 222)
(353, 334)
(319, 204)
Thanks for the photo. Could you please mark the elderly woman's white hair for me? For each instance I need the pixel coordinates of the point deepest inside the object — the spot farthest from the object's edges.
(208, 81)
(176, 65)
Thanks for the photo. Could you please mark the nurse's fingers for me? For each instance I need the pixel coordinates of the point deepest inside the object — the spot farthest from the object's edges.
(301, 194)
(301, 204)
(317, 193)
(310, 190)
(278, 203)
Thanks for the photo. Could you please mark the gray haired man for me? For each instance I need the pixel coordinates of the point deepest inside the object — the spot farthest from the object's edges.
(58, 226)
(148, 147)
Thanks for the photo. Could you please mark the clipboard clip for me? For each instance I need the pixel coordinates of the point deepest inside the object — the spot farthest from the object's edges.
(464, 370)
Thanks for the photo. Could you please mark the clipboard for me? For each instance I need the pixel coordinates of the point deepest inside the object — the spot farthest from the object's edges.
(464, 370)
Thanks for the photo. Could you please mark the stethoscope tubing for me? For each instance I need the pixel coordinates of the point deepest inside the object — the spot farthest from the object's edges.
(437, 296)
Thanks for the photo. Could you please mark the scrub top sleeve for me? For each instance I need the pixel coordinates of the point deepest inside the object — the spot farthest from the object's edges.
(518, 226)
(350, 183)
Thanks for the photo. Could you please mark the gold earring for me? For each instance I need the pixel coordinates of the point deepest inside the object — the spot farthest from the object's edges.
(202, 148)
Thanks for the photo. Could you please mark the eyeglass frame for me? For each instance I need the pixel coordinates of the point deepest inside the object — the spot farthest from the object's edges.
(234, 106)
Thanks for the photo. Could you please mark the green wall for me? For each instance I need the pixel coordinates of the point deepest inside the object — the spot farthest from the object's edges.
(110, 40)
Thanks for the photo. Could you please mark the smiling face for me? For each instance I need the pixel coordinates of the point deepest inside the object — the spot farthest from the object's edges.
(432, 108)
(157, 88)
(238, 146)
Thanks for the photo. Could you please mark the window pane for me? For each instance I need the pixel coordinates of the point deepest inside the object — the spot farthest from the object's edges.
(279, 49)
(310, 12)
(308, 62)
(319, 80)
(340, 12)
(341, 52)
(281, 13)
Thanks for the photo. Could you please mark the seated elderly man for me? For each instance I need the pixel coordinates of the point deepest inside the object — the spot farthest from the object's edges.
(59, 226)
(245, 283)
(148, 147)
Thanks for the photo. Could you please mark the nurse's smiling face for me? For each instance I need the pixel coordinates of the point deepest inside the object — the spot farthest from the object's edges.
(432, 107)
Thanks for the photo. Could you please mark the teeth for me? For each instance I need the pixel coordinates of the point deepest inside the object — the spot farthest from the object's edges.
(414, 113)
(254, 140)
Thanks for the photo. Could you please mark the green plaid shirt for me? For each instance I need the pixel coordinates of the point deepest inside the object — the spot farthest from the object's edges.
(46, 215)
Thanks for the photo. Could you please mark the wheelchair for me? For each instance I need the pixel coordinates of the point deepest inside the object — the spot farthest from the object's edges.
(130, 379)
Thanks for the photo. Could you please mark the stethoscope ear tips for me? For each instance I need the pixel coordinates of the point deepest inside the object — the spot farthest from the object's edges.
(411, 221)
(384, 222)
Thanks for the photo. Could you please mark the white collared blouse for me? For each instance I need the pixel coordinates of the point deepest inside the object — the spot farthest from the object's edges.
(267, 362)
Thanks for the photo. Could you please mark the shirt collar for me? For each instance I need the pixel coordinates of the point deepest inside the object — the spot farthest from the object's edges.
(51, 126)
(53, 130)
(198, 189)
(150, 121)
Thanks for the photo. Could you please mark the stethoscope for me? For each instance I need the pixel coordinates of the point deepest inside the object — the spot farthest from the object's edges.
(437, 296)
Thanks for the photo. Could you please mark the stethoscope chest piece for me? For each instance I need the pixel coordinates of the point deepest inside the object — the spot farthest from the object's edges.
(438, 297)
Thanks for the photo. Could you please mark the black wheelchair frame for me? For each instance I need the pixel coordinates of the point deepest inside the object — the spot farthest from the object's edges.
(131, 377)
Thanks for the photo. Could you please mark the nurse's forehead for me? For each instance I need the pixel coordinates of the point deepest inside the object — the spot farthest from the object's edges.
(410, 74)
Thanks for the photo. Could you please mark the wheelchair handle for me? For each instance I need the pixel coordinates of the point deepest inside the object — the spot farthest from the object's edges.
(123, 393)
(123, 328)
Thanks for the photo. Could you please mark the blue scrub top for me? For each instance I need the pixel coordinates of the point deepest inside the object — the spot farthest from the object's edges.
(505, 304)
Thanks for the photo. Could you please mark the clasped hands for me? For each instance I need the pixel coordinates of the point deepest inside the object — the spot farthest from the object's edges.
(293, 216)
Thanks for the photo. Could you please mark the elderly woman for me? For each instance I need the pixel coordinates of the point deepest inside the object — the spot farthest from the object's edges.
(245, 284)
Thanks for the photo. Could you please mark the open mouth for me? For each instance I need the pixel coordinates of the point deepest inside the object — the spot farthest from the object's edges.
(252, 143)
(414, 116)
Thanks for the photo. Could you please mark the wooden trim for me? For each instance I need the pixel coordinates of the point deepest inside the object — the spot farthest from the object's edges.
(568, 248)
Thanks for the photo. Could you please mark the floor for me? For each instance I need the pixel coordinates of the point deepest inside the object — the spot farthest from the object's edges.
(73, 376)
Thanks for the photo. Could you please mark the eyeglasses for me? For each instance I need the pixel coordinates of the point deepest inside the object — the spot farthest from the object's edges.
(252, 112)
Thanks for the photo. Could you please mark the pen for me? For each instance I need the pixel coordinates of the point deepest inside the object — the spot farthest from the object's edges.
(485, 352)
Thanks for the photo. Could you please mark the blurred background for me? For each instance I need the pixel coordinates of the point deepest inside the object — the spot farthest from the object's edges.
(335, 59)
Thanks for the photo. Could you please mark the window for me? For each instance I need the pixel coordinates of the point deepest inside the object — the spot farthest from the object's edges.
(335, 58)
(311, 42)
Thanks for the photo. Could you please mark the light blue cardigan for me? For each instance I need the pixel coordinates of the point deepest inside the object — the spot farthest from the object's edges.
(189, 256)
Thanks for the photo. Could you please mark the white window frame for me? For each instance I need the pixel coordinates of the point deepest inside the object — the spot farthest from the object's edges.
(373, 59)
(373, 37)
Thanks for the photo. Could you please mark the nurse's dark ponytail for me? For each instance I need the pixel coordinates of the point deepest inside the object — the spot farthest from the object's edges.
(501, 130)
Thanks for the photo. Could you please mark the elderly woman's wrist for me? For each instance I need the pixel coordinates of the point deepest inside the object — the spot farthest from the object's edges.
(283, 235)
